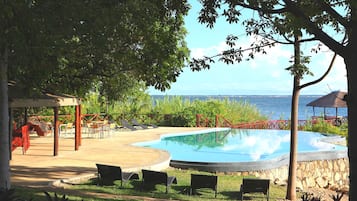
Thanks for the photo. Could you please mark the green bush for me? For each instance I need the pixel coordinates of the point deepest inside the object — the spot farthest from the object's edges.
(326, 128)
(182, 112)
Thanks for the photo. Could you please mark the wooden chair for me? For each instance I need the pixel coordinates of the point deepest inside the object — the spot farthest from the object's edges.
(152, 178)
(203, 181)
(255, 186)
(107, 174)
(64, 127)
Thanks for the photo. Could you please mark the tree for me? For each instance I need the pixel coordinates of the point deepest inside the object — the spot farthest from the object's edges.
(298, 70)
(90, 41)
(327, 21)
(71, 46)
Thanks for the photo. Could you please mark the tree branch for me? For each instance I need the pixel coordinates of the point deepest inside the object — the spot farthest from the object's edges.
(326, 7)
(323, 76)
(260, 9)
(239, 50)
(290, 42)
(319, 34)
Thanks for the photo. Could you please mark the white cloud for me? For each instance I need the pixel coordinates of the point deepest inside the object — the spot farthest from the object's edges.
(276, 57)
(208, 51)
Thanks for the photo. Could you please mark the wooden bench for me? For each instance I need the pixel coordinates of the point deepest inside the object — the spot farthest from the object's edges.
(203, 181)
(107, 174)
(151, 178)
(255, 186)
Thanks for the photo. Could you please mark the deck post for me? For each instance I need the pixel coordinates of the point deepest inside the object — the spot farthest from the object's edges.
(77, 138)
(55, 131)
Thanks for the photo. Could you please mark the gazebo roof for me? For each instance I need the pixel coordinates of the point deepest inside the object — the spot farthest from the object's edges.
(335, 99)
(18, 98)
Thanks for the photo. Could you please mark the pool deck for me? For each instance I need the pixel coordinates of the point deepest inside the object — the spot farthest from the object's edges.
(39, 168)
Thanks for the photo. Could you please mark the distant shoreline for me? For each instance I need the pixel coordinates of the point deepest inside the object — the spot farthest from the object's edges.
(244, 95)
(275, 107)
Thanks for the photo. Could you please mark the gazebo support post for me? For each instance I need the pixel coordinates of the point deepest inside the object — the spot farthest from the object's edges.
(25, 116)
(80, 124)
(55, 131)
(77, 138)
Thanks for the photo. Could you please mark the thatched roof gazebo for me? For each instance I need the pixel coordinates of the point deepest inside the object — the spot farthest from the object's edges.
(19, 99)
(335, 99)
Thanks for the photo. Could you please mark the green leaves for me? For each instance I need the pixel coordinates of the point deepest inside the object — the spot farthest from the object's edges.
(300, 70)
(71, 46)
(275, 21)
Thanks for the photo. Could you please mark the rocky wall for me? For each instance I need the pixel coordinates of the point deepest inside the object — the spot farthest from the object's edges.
(332, 174)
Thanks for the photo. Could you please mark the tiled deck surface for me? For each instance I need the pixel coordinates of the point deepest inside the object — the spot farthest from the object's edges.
(39, 168)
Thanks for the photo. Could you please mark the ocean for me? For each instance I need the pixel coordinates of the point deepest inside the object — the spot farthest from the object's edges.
(272, 106)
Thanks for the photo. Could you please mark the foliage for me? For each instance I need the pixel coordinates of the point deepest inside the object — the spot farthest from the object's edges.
(13, 195)
(309, 197)
(326, 127)
(127, 108)
(56, 197)
(168, 111)
(337, 197)
(330, 22)
(183, 112)
(228, 188)
(272, 21)
(9, 195)
(75, 46)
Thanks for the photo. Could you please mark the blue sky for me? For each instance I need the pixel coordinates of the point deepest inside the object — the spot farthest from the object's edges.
(265, 75)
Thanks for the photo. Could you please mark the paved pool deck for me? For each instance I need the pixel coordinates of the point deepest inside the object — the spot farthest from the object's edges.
(39, 168)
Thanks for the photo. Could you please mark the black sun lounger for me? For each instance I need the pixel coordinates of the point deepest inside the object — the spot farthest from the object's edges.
(126, 124)
(151, 178)
(136, 123)
(107, 174)
(255, 186)
(203, 181)
(144, 126)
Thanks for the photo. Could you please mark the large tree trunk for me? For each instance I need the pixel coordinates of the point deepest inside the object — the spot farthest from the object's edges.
(351, 67)
(5, 183)
(291, 189)
(352, 118)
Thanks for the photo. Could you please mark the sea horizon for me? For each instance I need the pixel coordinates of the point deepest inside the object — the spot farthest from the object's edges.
(275, 107)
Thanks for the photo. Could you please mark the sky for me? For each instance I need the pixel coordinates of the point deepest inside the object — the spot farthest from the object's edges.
(265, 75)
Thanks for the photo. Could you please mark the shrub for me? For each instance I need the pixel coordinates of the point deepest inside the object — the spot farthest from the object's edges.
(327, 128)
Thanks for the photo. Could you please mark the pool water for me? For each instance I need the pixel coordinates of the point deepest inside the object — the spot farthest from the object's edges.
(240, 145)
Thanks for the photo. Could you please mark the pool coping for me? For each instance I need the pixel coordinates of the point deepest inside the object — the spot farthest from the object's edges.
(257, 165)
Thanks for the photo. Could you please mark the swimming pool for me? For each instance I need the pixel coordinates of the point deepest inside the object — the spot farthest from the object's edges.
(244, 148)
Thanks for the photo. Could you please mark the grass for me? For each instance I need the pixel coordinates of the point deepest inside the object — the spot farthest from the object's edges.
(228, 189)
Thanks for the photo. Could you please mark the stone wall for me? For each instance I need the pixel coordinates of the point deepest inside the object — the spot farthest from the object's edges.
(332, 174)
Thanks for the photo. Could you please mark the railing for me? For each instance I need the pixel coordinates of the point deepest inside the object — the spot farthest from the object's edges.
(220, 121)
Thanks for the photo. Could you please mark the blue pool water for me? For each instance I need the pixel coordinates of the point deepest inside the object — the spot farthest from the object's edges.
(240, 145)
